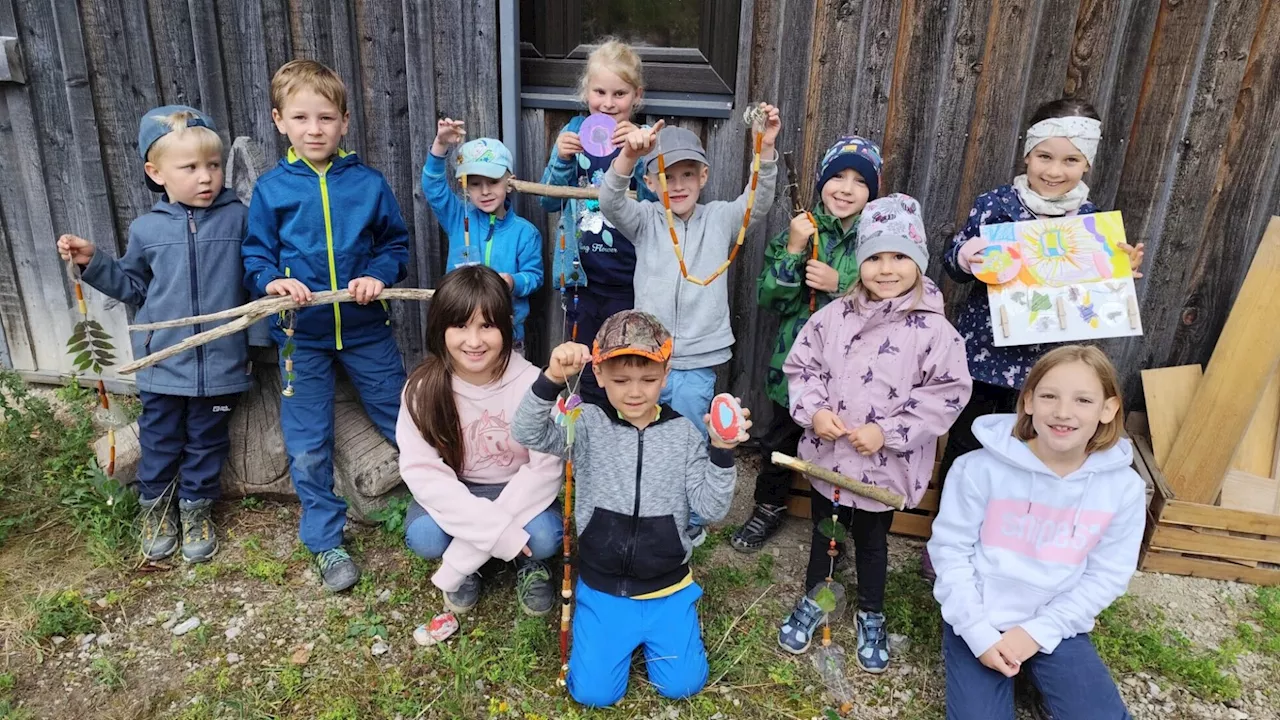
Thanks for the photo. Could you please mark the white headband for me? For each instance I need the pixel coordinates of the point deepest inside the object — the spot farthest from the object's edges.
(1085, 133)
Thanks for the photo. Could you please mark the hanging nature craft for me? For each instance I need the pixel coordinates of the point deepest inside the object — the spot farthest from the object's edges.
(1059, 280)
(91, 350)
(755, 117)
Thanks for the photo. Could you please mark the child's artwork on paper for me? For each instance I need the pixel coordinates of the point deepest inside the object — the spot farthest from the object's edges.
(1059, 280)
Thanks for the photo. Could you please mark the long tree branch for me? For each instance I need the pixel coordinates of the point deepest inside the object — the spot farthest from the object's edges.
(567, 192)
(248, 314)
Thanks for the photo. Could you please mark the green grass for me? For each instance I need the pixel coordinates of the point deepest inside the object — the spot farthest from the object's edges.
(260, 564)
(108, 673)
(65, 614)
(1262, 634)
(910, 609)
(1133, 637)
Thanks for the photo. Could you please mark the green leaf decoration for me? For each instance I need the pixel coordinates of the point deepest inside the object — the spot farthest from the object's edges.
(89, 343)
(826, 600)
(74, 347)
(1040, 302)
(287, 351)
(832, 529)
(82, 361)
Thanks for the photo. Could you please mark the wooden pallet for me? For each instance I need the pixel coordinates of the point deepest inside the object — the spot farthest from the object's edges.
(1188, 538)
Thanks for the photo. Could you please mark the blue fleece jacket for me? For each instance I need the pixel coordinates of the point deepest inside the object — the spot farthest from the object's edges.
(326, 229)
(182, 261)
(511, 245)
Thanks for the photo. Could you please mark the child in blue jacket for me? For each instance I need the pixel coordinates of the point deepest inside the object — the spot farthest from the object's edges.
(323, 220)
(183, 259)
(496, 237)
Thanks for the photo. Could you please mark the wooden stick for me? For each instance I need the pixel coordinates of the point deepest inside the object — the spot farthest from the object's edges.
(251, 313)
(879, 494)
(565, 192)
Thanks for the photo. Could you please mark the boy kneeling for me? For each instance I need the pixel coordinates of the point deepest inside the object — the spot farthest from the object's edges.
(641, 469)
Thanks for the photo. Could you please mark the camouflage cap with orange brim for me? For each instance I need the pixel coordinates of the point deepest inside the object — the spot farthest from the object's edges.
(632, 332)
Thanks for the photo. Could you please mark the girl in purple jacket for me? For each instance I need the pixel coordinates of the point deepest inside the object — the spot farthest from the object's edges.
(874, 379)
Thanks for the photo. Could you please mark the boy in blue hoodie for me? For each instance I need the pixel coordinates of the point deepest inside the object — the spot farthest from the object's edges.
(486, 230)
(323, 220)
(183, 259)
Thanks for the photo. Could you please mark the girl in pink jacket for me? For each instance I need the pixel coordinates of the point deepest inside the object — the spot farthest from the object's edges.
(477, 493)
(874, 379)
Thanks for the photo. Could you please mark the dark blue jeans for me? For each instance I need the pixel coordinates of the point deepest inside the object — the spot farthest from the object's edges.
(183, 437)
(1074, 682)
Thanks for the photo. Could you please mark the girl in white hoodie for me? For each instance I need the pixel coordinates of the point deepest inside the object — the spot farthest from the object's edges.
(1037, 533)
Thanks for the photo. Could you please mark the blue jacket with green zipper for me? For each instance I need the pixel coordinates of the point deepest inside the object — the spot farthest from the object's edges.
(326, 229)
(182, 261)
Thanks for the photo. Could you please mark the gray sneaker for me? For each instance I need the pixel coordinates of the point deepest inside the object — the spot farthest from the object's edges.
(199, 535)
(337, 570)
(465, 597)
(534, 591)
(159, 534)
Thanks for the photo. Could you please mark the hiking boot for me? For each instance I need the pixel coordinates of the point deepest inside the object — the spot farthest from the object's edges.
(697, 534)
(534, 591)
(764, 523)
(199, 536)
(873, 642)
(338, 571)
(463, 599)
(160, 529)
(796, 633)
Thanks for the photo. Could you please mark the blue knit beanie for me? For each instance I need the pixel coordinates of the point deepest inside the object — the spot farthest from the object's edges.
(851, 151)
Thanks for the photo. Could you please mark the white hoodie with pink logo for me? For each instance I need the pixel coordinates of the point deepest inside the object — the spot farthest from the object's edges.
(1014, 544)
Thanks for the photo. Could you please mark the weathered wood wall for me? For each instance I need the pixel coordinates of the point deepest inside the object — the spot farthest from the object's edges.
(1189, 92)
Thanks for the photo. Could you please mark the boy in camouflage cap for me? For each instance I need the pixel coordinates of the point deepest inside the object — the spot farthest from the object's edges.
(641, 469)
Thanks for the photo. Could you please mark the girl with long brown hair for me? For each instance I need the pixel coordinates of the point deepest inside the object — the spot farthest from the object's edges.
(478, 494)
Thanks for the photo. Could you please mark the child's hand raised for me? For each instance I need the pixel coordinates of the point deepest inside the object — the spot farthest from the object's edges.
(568, 144)
(867, 439)
(969, 257)
(640, 141)
(828, 426)
(621, 131)
(567, 360)
(801, 229)
(717, 441)
(75, 248)
(1135, 254)
(772, 125)
(450, 131)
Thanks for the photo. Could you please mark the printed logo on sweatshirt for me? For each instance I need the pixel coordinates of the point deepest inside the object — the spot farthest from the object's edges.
(1043, 532)
(488, 439)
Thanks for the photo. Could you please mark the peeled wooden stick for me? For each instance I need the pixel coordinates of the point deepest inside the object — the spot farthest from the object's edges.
(247, 315)
(879, 494)
(566, 192)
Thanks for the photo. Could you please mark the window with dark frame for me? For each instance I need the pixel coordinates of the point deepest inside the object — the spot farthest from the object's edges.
(687, 46)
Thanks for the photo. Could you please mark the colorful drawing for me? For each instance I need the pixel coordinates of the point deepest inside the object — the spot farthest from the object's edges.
(1073, 265)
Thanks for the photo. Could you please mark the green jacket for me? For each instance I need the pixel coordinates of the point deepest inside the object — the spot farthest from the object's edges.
(782, 289)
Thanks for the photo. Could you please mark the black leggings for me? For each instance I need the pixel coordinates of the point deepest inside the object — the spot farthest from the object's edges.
(773, 483)
(870, 534)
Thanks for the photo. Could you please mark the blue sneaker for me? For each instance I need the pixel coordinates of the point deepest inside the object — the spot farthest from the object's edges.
(796, 633)
(873, 642)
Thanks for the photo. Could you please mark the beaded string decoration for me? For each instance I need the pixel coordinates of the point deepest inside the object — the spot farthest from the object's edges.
(286, 352)
(830, 596)
(755, 117)
(817, 241)
(91, 349)
(568, 410)
(466, 221)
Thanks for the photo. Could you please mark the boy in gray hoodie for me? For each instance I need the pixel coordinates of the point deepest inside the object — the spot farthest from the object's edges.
(183, 259)
(642, 469)
(698, 315)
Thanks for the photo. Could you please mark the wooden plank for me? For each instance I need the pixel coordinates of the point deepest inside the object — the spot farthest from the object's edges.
(122, 74)
(881, 23)
(905, 523)
(175, 54)
(16, 329)
(1177, 512)
(280, 50)
(1257, 450)
(248, 70)
(1222, 546)
(429, 244)
(1050, 57)
(464, 41)
(913, 98)
(1091, 66)
(1173, 216)
(205, 32)
(1168, 392)
(545, 328)
(834, 70)
(1243, 363)
(120, 385)
(1164, 562)
(387, 132)
(1246, 491)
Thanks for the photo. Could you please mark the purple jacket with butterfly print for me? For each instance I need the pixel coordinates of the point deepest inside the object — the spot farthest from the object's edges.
(897, 363)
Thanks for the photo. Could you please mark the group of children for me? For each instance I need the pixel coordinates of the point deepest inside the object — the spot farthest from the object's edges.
(1039, 526)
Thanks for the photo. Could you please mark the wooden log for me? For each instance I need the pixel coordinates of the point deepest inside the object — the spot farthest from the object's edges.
(879, 494)
(250, 313)
(1243, 363)
(1168, 392)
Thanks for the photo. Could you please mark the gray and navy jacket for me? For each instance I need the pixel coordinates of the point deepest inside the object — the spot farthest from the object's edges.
(634, 490)
(182, 261)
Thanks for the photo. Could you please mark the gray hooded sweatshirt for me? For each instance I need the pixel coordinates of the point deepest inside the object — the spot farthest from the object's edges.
(697, 316)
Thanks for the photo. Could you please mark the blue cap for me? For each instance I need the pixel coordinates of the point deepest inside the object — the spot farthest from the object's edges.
(485, 157)
(153, 127)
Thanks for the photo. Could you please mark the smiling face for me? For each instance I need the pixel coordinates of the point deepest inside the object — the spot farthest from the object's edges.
(1066, 408)
(685, 181)
(633, 386)
(189, 170)
(475, 348)
(888, 275)
(1054, 167)
(488, 194)
(845, 195)
(611, 95)
(314, 125)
